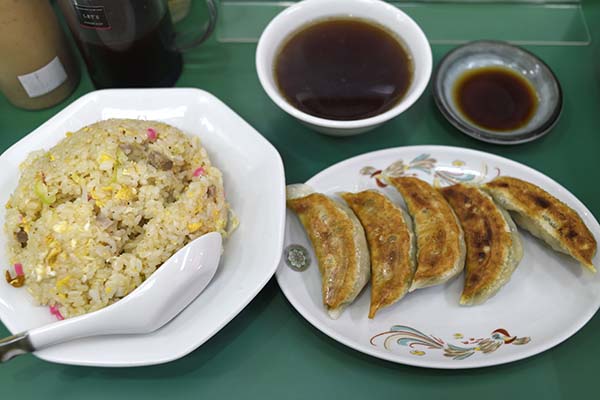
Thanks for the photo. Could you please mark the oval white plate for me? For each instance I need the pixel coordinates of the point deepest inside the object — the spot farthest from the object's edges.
(254, 184)
(548, 299)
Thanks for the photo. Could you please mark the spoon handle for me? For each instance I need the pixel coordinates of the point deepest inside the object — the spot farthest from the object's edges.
(15, 345)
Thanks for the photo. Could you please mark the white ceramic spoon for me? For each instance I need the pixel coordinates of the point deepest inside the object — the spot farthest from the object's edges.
(154, 303)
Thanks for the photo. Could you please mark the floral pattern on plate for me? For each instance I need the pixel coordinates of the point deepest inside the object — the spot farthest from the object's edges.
(443, 175)
(412, 338)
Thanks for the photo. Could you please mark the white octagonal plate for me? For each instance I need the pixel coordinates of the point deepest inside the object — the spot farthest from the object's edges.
(548, 299)
(254, 184)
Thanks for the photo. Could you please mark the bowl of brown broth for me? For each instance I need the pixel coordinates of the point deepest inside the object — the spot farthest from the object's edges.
(343, 67)
(497, 92)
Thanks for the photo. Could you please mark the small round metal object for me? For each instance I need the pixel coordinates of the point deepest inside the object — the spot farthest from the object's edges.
(486, 54)
(296, 257)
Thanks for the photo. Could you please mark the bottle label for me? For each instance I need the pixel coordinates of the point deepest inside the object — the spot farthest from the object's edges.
(91, 17)
(45, 79)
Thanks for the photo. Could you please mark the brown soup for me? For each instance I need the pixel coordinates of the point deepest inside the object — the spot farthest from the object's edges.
(343, 69)
(495, 98)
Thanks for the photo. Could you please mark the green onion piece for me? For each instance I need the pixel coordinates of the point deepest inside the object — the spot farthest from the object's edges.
(41, 190)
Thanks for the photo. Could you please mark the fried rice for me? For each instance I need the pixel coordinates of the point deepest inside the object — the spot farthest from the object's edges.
(95, 215)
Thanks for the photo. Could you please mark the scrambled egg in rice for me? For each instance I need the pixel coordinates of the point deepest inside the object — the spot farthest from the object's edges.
(95, 215)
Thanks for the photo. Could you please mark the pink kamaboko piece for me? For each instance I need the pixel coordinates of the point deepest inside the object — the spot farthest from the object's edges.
(19, 269)
(152, 135)
(55, 311)
(199, 171)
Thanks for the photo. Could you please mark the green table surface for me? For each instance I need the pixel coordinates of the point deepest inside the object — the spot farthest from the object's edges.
(269, 350)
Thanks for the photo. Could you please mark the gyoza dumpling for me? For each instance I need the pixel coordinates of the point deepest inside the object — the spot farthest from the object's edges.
(493, 245)
(339, 243)
(440, 240)
(545, 217)
(391, 245)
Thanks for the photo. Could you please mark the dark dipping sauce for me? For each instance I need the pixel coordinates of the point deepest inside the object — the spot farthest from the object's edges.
(343, 69)
(495, 98)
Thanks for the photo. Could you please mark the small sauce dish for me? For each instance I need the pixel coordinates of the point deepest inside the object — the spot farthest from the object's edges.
(306, 12)
(501, 109)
